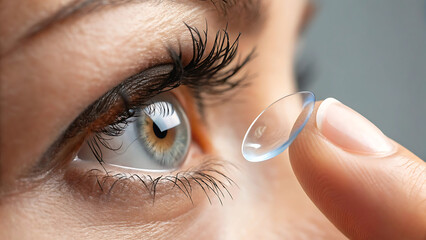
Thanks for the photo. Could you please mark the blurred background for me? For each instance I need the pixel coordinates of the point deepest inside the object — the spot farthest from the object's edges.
(371, 55)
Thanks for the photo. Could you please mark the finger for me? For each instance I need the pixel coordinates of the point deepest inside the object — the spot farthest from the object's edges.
(369, 186)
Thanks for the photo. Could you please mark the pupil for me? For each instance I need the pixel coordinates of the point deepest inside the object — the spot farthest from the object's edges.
(158, 132)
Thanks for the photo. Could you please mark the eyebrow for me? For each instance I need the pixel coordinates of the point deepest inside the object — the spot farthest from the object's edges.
(247, 9)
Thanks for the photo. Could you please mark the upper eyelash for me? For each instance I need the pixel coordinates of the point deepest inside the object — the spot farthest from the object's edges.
(209, 74)
(205, 75)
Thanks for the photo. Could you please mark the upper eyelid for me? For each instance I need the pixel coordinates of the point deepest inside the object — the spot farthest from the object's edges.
(115, 96)
(153, 81)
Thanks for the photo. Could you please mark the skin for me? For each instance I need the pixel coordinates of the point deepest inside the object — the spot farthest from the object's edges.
(50, 78)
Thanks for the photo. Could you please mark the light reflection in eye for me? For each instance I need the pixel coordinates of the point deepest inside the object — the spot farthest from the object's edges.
(163, 115)
(156, 139)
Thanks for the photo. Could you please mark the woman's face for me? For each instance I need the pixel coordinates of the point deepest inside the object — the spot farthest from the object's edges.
(80, 78)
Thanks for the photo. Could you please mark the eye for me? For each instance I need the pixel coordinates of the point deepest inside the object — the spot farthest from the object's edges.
(156, 138)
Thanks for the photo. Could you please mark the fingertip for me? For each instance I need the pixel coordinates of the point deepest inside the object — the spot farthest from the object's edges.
(356, 175)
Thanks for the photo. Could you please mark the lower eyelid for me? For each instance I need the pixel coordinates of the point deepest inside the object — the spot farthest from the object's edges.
(207, 181)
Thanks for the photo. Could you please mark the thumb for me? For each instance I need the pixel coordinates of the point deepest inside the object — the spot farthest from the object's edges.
(366, 184)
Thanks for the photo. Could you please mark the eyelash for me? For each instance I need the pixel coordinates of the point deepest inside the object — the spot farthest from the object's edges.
(208, 177)
(206, 74)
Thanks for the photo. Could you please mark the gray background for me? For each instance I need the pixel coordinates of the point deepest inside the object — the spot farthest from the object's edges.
(371, 55)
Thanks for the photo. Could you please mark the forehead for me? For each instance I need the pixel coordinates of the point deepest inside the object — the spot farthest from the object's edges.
(18, 16)
(23, 18)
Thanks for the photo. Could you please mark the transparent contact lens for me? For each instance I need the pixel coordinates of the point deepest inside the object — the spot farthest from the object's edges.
(277, 126)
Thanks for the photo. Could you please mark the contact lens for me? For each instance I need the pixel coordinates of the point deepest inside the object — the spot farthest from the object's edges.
(276, 127)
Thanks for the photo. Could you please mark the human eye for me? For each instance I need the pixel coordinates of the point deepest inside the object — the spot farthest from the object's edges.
(146, 131)
(155, 137)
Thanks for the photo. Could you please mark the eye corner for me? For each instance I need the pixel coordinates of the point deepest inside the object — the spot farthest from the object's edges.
(195, 110)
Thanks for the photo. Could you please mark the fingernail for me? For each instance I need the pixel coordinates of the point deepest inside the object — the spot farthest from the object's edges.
(350, 130)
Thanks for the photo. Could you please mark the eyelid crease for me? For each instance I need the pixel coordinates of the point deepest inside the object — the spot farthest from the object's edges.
(205, 75)
(107, 109)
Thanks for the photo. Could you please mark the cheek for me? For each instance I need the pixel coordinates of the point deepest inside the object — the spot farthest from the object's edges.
(60, 210)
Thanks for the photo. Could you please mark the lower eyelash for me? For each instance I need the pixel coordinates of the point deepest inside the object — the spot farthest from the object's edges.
(210, 177)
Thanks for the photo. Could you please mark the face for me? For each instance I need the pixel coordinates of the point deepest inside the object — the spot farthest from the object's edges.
(125, 120)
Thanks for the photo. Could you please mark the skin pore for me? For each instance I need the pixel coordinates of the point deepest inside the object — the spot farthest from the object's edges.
(50, 76)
